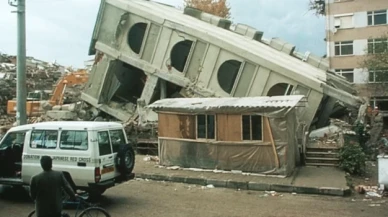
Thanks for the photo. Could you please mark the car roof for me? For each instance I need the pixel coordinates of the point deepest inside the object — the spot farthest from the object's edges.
(73, 125)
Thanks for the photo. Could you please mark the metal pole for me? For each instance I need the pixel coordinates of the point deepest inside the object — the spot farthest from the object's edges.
(21, 93)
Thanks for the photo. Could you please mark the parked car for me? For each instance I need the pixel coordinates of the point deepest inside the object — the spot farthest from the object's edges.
(93, 156)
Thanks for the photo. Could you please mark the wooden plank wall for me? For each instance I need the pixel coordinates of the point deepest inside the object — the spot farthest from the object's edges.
(177, 126)
(229, 127)
(266, 132)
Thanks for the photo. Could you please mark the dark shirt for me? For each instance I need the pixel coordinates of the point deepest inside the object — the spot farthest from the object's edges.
(46, 190)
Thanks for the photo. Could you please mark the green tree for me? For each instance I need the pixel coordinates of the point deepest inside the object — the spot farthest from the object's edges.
(318, 6)
(376, 62)
(219, 8)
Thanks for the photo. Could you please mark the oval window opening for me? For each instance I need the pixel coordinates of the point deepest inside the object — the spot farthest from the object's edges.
(227, 74)
(136, 36)
(281, 89)
(179, 54)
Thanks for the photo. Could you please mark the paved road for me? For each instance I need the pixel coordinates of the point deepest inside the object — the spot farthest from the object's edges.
(149, 198)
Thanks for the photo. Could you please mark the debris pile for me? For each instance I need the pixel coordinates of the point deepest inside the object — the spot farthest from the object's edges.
(332, 135)
(370, 191)
(40, 75)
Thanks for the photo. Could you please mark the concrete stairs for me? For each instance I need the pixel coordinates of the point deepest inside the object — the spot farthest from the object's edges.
(327, 157)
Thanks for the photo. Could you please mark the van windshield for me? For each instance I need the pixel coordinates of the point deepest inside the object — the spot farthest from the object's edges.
(13, 138)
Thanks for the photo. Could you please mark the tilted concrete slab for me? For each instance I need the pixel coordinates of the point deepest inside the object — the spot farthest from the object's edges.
(199, 56)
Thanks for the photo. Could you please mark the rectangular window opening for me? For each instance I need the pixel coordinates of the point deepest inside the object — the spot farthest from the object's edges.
(347, 73)
(206, 127)
(377, 17)
(378, 76)
(252, 127)
(344, 48)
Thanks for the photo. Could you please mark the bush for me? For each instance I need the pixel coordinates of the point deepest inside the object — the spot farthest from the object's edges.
(352, 158)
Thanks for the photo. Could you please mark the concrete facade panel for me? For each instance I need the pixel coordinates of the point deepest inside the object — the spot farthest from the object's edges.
(351, 6)
(346, 62)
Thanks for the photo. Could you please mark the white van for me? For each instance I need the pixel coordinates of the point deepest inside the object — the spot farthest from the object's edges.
(93, 156)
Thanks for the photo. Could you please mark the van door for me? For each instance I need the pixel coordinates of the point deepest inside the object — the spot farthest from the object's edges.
(106, 156)
(117, 138)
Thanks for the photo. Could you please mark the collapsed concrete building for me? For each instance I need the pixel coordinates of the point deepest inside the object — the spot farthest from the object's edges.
(146, 51)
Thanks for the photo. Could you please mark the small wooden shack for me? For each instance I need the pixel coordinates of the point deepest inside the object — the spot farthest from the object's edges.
(249, 134)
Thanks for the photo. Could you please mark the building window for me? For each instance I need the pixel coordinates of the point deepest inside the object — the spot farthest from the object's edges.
(347, 73)
(280, 89)
(135, 36)
(377, 17)
(343, 48)
(380, 102)
(343, 22)
(227, 74)
(252, 126)
(206, 126)
(378, 76)
(377, 45)
(179, 54)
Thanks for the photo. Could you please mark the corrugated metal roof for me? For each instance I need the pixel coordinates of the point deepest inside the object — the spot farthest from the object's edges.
(227, 102)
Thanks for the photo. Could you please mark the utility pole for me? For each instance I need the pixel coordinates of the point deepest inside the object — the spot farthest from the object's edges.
(21, 93)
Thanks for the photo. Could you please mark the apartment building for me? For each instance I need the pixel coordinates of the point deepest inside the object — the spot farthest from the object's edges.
(353, 29)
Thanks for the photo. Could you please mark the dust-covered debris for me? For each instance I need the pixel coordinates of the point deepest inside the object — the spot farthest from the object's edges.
(369, 191)
(40, 75)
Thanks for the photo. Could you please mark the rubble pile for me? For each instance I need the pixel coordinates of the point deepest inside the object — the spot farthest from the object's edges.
(73, 93)
(40, 75)
(332, 135)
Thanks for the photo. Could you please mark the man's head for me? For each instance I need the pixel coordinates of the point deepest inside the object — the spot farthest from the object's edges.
(46, 162)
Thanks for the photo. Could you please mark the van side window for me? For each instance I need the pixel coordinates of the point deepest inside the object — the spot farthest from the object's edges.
(13, 138)
(74, 140)
(44, 139)
(118, 138)
(104, 143)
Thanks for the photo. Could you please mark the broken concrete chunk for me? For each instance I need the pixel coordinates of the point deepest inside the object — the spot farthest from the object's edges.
(248, 31)
(209, 18)
(281, 45)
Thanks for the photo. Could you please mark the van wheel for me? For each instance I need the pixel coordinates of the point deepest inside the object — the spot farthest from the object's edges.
(125, 159)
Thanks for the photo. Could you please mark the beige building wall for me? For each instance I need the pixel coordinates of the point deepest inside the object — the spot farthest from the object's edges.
(349, 26)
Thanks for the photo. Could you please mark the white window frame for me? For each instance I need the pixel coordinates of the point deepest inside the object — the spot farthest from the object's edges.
(374, 102)
(373, 14)
(345, 71)
(343, 43)
(373, 42)
(338, 18)
(374, 76)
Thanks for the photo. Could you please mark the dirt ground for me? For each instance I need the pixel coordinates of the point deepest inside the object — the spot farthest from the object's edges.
(370, 178)
(149, 198)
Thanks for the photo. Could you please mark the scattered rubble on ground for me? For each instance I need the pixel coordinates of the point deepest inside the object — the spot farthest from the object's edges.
(152, 158)
(370, 191)
(271, 193)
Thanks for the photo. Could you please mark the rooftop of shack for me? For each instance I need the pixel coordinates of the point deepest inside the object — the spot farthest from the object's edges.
(228, 104)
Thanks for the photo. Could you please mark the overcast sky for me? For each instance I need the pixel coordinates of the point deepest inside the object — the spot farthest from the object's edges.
(61, 29)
